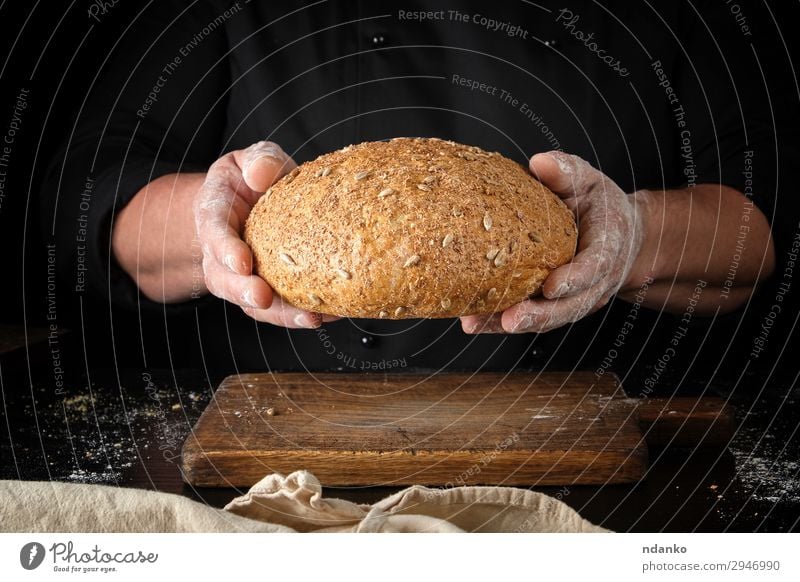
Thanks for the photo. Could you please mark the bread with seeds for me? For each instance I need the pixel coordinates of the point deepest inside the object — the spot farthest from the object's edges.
(409, 228)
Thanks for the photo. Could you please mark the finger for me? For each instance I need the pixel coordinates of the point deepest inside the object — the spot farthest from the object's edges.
(564, 174)
(262, 164)
(283, 314)
(225, 196)
(473, 324)
(590, 266)
(604, 246)
(217, 225)
(543, 315)
(246, 291)
(226, 248)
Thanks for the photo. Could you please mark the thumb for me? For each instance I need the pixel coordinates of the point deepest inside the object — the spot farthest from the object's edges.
(564, 174)
(262, 164)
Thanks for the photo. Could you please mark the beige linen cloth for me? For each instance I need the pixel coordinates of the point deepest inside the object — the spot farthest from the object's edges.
(281, 504)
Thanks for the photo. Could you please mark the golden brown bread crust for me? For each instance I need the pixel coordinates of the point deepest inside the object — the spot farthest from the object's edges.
(412, 227)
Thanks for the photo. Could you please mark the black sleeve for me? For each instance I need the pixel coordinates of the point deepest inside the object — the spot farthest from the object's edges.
(742, 130)
(157, 106)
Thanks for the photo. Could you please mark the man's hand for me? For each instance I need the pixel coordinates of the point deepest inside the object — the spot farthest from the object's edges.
(610, 235)
(233, 185)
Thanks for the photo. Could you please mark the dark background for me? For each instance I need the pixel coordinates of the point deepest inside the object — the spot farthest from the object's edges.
(37, 46)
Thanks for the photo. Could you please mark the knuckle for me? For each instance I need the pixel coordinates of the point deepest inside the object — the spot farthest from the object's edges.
(604, 262)
(217, 166)
(211, 284)
(208, 252)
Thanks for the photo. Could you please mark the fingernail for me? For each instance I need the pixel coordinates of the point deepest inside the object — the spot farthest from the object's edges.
(306, 321)
(248, 298)
(523, 323)
(247, 164)
(562, 164)
(230, 262)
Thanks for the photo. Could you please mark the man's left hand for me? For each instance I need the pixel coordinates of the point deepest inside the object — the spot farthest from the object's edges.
(610, 235)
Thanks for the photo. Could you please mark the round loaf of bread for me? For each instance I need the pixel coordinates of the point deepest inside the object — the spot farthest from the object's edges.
(408, 228)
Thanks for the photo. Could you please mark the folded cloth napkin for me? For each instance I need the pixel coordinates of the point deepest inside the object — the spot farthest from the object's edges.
(281, 504)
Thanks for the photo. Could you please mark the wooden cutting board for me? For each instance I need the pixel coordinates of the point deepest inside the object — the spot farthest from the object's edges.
(445, 429)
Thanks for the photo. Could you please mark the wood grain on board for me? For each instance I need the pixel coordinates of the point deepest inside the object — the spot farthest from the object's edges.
(549, 428)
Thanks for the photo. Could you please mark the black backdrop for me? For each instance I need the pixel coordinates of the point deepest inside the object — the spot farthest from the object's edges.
(42, 40)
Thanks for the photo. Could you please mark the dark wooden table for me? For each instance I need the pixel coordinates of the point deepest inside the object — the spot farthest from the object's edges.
(126, 428)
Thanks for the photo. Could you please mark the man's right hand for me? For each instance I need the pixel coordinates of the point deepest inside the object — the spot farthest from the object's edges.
(233, 185)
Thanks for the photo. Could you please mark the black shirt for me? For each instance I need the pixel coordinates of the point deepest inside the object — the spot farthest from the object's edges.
(658, 95)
